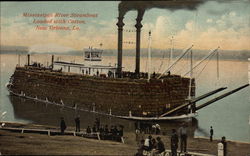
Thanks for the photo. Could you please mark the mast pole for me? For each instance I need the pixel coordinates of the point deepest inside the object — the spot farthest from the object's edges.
(149, 55)
(217, 64)
(191, 74)
(19, 60)
(171, 51)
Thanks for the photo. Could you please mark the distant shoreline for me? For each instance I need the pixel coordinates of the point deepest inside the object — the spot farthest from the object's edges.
(160, 53)
(197, 57)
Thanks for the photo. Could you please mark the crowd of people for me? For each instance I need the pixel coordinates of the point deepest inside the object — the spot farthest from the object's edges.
(106, 133)
(151, 146)
(148, 128)
(113, 132)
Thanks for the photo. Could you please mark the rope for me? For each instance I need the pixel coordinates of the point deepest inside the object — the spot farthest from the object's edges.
(161, 61)
(184, 65)
(204, 67)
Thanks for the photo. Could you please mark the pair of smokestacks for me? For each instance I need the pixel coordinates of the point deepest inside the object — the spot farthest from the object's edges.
(138, 27)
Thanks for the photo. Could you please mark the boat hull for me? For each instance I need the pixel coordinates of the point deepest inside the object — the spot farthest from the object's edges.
(116, 96)
(137, 118)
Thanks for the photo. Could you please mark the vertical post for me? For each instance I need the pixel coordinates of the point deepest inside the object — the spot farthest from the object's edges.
(191, 74)
(52, 61)
(19, 60)
(120, 25)
(98, 136)
(68, 68)
(28, 59)
(138, 41)
(149, 55)
(171, 51)
(220, 149)
(217, 64)
(93, 107)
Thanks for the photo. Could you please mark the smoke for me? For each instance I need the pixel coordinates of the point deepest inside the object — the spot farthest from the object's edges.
(125, 6)
(142, 6)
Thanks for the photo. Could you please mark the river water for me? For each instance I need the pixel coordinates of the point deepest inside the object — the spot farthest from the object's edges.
(229, 116)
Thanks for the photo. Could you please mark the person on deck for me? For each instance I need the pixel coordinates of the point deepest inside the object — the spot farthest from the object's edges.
(62, 125)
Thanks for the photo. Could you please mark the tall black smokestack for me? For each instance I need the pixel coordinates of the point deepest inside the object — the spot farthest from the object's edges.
(120, 25)
(138, 40)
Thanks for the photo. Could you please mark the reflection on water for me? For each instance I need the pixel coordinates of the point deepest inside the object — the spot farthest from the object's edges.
(48, 114)
(229, 117)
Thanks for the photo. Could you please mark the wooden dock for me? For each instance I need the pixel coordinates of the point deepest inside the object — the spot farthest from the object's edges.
(50, 132)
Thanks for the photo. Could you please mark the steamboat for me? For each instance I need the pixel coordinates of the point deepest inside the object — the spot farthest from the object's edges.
(108, 90)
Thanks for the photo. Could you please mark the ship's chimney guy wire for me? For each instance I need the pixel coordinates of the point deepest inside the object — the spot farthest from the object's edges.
(210, 54)
(174, 63)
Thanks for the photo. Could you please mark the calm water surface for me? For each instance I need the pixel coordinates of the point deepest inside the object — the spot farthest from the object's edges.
(229, 116)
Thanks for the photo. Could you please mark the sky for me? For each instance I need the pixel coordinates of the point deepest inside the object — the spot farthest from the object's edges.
(212, 24)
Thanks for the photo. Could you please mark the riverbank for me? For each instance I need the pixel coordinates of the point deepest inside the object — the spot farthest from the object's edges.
(33, 144)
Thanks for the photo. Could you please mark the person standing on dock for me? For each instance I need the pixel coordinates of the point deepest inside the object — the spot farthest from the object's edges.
(77, 121)
(97, 123)
(174, 142)
(63, 125)
(160, 146)
(211, 133)
(148, 143)
(158, 129)
(183, 136)
(223, 141)
(88, 130)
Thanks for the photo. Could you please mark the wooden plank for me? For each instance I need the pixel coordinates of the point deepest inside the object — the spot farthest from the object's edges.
(193, 101)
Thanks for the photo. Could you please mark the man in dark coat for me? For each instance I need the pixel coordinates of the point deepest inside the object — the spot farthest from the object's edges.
(211, 133)
(63, 125)
(223, 141)
(77, 121)
(88, 130)
(97, 123)
(160, 146)
(183, 135)
(174, 142)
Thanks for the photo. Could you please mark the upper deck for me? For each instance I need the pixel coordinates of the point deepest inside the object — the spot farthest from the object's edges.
(93, 54)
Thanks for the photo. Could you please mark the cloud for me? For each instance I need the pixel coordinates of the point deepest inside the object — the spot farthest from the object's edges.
(20, 30)
(209, 20)
(228, 38)
(229, 28)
